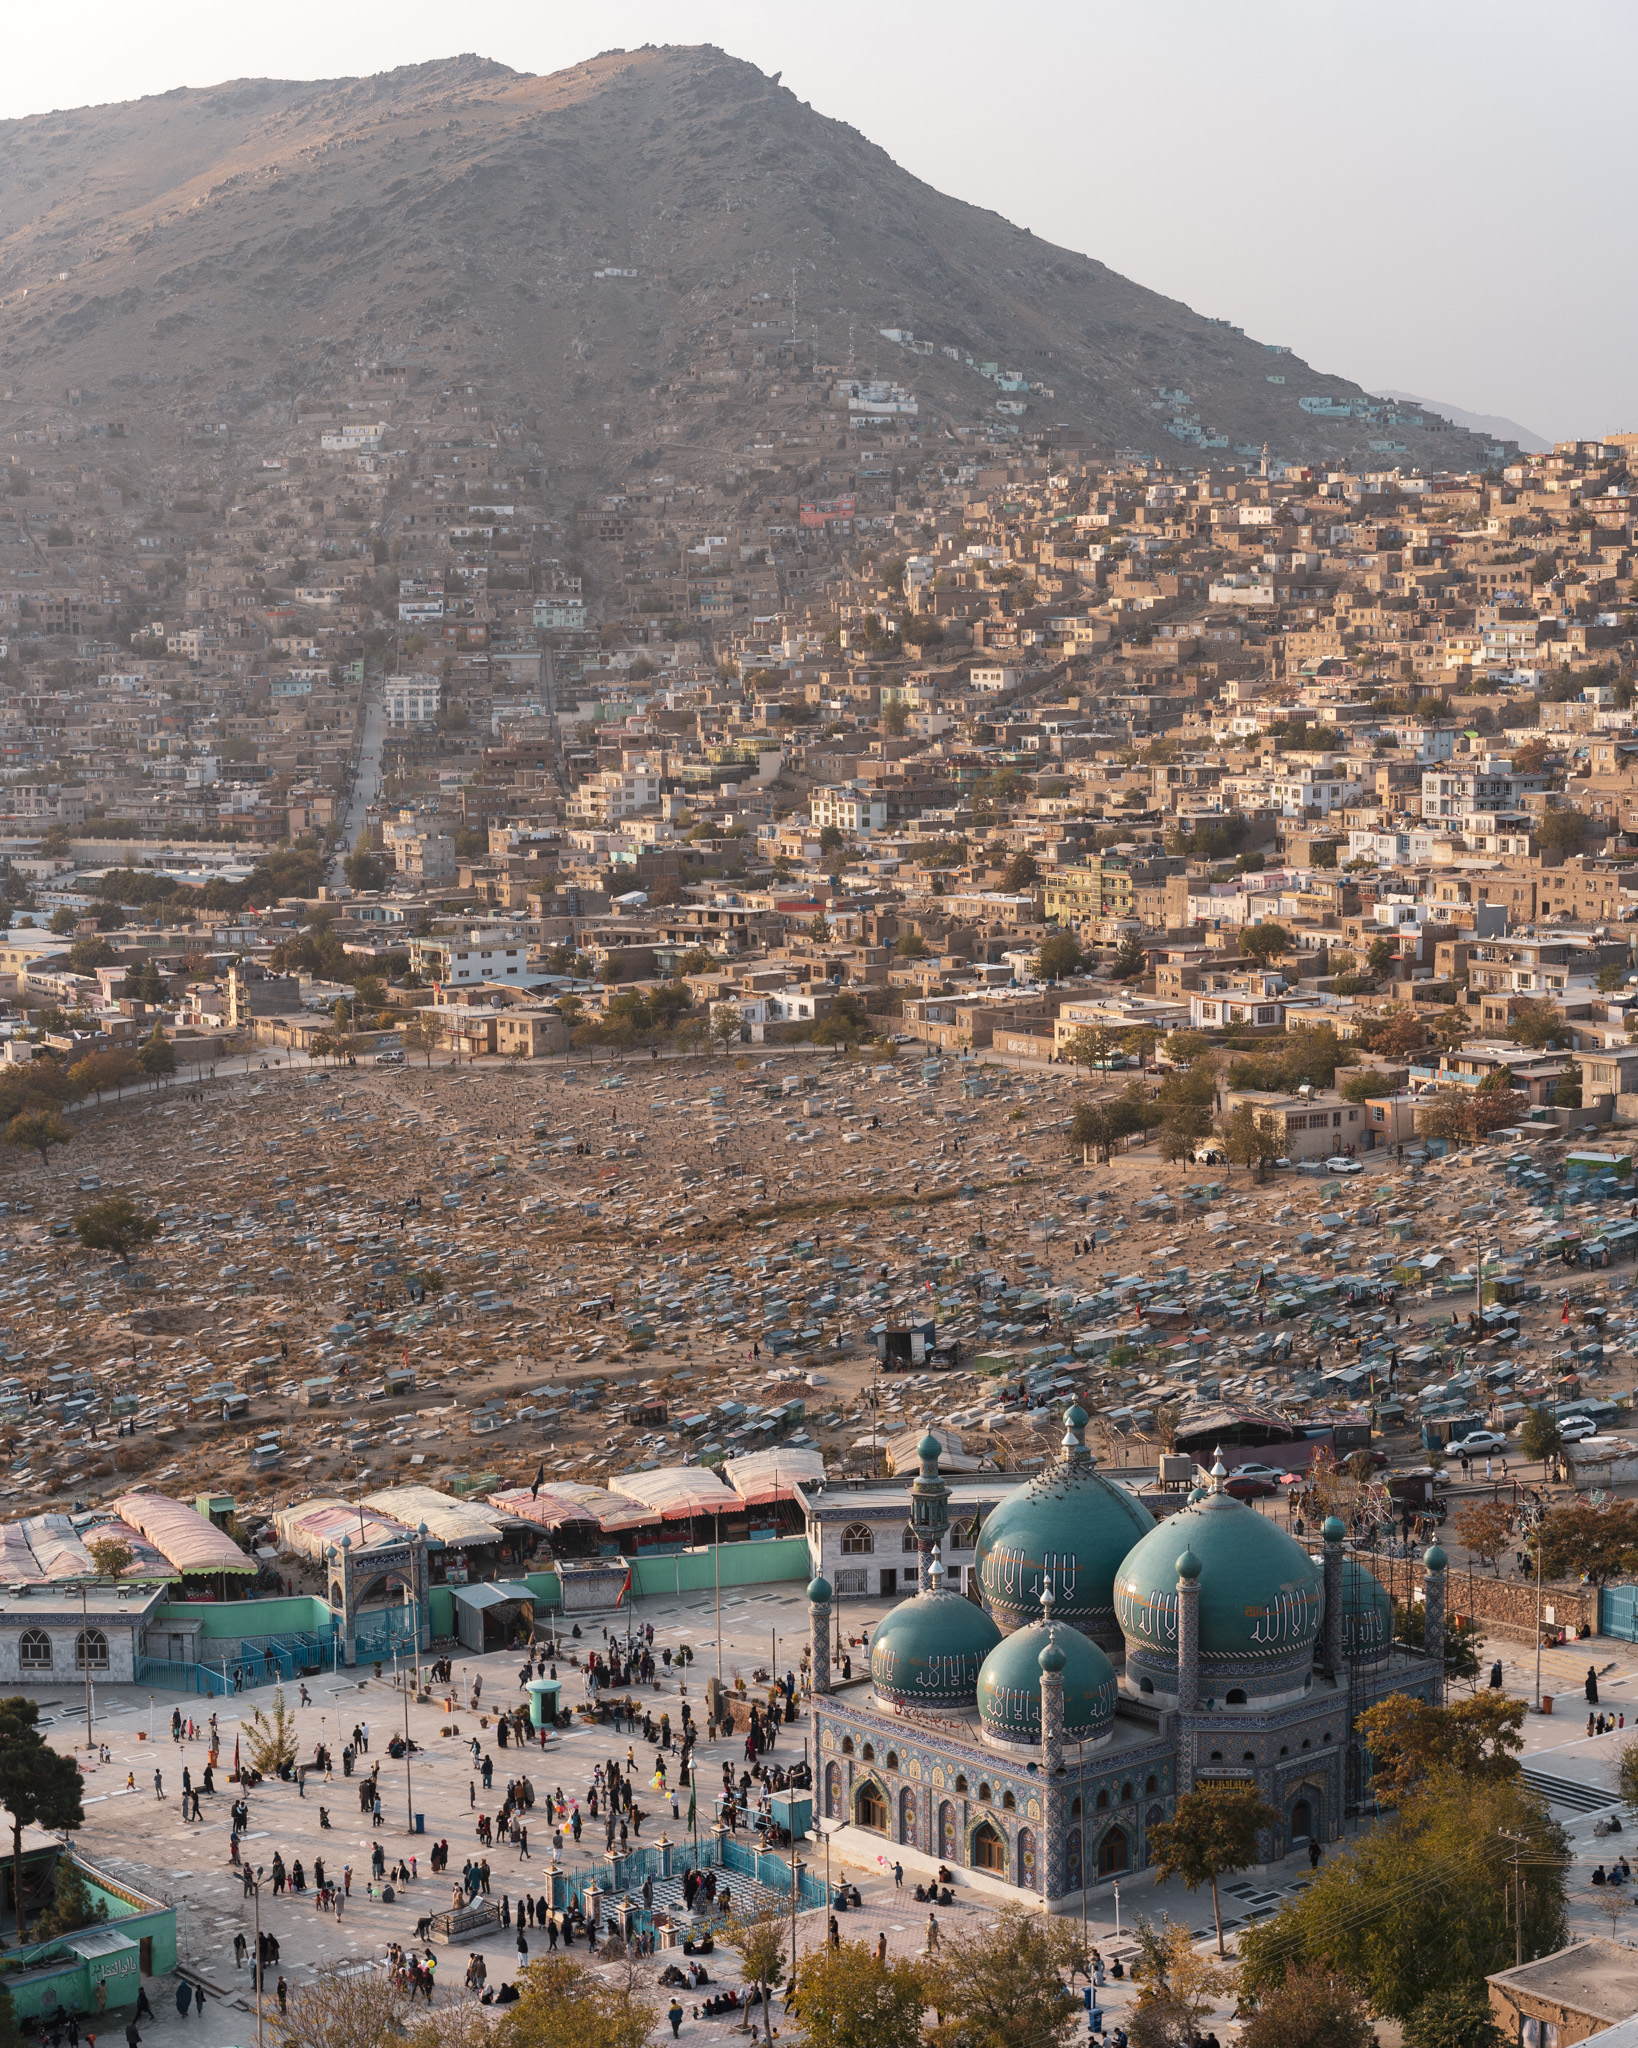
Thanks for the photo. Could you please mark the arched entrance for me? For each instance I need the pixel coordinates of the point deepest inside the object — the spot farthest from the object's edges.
(1113, 1855)
(989, 1849)
(1300, 1826)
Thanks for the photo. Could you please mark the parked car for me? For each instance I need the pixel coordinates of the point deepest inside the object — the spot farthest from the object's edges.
(1575, 1427)
(1249, 1488)
(1341, 1165)
(1476, 1443)
(1255, 1471)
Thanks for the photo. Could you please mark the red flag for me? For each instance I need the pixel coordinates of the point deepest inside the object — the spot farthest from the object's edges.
(625, 1589)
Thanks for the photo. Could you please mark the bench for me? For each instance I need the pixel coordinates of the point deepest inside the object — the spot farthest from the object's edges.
(457, 1922)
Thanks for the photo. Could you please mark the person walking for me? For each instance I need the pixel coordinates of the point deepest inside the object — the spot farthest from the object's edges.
(1592, 1690)
(932, 1934)
(159, 1786)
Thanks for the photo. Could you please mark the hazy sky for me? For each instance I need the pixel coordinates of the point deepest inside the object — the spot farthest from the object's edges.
(1430, 198)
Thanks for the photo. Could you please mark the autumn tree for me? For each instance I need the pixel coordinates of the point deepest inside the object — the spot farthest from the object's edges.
(1213, 1832)
(1535, 1022)
(270, 1739)
(1411, 1741)
(1060, 956)
(1579, 1540)
(563, 2005)
(847, 1999)
(725, 1025)
(760, 1940)
(1177, 1988)
(1092, 1046)
(1485, 1528)
(156, 1057)
(420, 1034)
(1313, 2008)
(1251, 1138)
(117, 1225)
(340, 2009)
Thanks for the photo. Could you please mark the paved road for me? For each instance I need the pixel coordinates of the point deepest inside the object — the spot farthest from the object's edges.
(366, 785)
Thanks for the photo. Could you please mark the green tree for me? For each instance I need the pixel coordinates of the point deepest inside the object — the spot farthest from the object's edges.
(111, 1555)
(1212, 1833)
(1131, 960)
(1003, 1984)
(726, 1024)
(562, 2005)
(760, 1940)
(1022, 872)
(1534, 1022)
(86, 955)
(1059, 957)
(10, 2034)
(1561, 830)
(1580, 1540)
(1251, 1138)
(910, 946)
(39, 1787)
(1380, 955)
(1424, 1903)
(1476, 1741)
(1454, 2019)
(1092, 1046)
(1313, 2008)
(1539, 1435)
(37, 1130)
(1179, 1135)
(64, 923)
(156, 1056)
(831, 839)
(1089, 1132)
(1265, 942)
(117, 1225)
(847, 1999)
(73, 1907)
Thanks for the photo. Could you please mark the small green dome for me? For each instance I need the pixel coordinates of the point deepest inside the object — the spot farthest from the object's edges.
(1333, 1531)
(1068, 1526)
(819, 1590)
(1051, 1659)
(928, 1652)
(1434, 1558)
(929, 1450)
(1188, 1566)
(1009, 1686)
(1261, 1600)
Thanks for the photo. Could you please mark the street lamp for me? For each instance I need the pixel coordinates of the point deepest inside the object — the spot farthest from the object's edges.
(256, 1898)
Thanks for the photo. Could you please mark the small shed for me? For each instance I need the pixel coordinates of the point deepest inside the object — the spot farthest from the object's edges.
(494, 1616)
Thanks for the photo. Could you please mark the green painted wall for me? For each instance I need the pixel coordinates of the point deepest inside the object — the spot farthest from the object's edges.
(232, 1619)
(442, 1602)
(743, 1564)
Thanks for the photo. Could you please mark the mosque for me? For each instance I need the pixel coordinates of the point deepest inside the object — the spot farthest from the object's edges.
(1115, 1662)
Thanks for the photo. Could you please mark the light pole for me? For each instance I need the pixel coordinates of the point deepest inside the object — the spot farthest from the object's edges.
(1540, 1536)
(409, 1794)
(85, 1657)
(256, 1898)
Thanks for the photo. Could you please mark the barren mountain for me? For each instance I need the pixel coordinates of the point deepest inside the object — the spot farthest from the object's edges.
(609, 253)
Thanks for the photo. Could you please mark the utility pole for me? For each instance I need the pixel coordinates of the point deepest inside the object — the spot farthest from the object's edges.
(1540, 1534)
(85, 1654)
(409, 1794)
(1520, 1844)
(716, 1561)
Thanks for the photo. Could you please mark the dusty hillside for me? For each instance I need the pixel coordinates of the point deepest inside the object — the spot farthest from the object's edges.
(215, 251)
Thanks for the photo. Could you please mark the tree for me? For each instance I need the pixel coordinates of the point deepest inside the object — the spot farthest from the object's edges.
(1178, 1137)
(1313, 2008)
(831, 839)
(760, 1940)
(1265, 942)
(1539, 1435)
(1561, 830)
(1484, 1528)
(1091, 1046)
(100, 1070)
(157, 1056)
(270, 1740)
(73, 1907)
(1393, 1035)
(1530, 758)
(1454, 2019)
(910, 946)
(562, 2005)
(726, 1024)
(1466, 1116)
(1411, 1741)
(847, 1999)
(1534, 1022)
(1380, 955)
(1004, 1984)
(340, 2010)
(37, 1130)
(1425, 1904)
(1462, 1640)
(1178, 1987)
(86, 955)
(39, 1787)
(115, 1225)
(112, 1556)
(1595, 1543)
(1089, 1131)
(1213, 1832)
(1251, 1138)
(1060, 955)
(1131, 961)
(1020, 873)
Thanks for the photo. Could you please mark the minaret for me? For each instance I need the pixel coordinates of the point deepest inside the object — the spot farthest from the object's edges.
(1072, 1451)
(929, 1510)
(1051, 1661)
(1333, 1532)
(1433, 1617)
(1188, 1633)
(819, 1634)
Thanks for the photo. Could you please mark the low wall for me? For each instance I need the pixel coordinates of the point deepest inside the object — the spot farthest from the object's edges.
(1507, 1607)
(235, 1620)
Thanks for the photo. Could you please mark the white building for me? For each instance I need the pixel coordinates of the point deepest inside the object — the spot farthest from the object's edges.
(412, 701)
(849, 810)
(485, 953)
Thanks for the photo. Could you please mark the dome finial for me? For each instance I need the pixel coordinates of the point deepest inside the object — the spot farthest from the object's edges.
(1219, 1471)
(1048, 1599)
(935, 1572)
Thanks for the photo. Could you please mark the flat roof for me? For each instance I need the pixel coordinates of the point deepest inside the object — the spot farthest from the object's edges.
(1597, 1977)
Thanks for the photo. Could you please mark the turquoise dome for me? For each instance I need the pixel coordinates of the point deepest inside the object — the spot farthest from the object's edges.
(1009, 1687)
(819, 1589)
(1434, 1558)
(1261, 1601)
(1070, 1526)
(928, 1653)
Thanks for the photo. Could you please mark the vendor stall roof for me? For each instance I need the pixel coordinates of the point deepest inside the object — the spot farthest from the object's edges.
(680, 1492)
(312, 1526)
(762, 1477)
(183, 1536)
(457, 1523)
(567, 1503)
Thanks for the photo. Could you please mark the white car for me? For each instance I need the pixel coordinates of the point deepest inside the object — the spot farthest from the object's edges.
(1270, 1472)
(1476, 1444)
(1340, 1165)
(1574, 1427)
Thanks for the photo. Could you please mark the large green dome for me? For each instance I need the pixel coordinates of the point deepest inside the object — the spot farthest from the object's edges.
(1009, 1687)
(929, 1650)
(1261, 1601)
(1070, 1526)
(1367, 1614)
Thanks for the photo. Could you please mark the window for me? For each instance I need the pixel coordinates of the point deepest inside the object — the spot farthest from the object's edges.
(892, 1759)
(961, 1784)
(34, 1651)
(1112, 1853)
(847, 1745)
(1235, 1696)
(870, 1808)
(91, 1650)
(1102, 1800)
(869, 1752)
(910, 1542)
(1009, 1802)
(984, 1793)
(857, 1541)
(1151, 1783)
(989, 1849)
